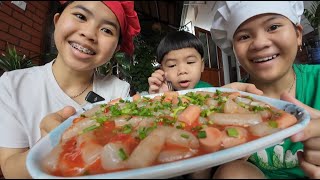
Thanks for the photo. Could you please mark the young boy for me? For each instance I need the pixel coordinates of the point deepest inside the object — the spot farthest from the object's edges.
(180, 54)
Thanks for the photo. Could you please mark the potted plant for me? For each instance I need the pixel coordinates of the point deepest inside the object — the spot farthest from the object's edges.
(11, 60)
(313, 44)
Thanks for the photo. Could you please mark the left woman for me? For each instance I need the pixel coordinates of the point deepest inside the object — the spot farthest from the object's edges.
(87, 34)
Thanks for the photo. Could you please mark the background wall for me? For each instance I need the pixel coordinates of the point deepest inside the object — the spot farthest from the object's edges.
(24, 29)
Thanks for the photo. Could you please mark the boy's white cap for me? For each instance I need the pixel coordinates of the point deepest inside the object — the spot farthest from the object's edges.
(229, 15)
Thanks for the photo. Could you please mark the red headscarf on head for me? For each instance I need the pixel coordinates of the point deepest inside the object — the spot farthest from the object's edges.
(128, 20)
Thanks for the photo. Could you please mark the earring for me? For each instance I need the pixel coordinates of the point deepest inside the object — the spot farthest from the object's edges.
(300, 48)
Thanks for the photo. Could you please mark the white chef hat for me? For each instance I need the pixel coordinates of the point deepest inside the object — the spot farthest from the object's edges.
(229, 15)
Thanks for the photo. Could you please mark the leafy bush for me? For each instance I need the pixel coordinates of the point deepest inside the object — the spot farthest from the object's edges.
(11, 60)
(141, 68)
(313, 14)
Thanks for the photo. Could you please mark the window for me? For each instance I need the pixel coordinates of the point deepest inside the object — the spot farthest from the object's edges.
(210, 50)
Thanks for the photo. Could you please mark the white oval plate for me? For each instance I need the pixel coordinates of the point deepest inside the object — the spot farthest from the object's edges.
(168, 170)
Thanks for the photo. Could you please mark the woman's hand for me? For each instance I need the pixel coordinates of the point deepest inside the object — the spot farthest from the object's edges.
(246, 87)
(53, 120)
(309, 159)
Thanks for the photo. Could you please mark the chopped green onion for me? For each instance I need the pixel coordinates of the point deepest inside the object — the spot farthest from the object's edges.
(249, 97)
(97, 112)
(186, 136)
(143, 132)
(210, 122)
(122, 154)
(168, 122)
(90, 128)
(101, 119)
(127, 129)
(242, 104)
(180, 102)
(103, 105)
(273, 124)
(204, 113)
(196, 128)
(202, 134)
(187, 97)
(207, 96)
(218, 92)
(86, 173)
(115, 111)
(258, 108)
(175, 111)
(179, 126)
(232, 132)
(217, 109)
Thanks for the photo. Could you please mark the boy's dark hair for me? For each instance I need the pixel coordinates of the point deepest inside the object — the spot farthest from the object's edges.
(178, 40)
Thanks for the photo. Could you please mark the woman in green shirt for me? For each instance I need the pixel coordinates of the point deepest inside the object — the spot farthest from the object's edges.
(265, 37)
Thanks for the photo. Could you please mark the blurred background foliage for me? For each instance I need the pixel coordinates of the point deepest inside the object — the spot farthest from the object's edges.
(136, 69)
(12, 60)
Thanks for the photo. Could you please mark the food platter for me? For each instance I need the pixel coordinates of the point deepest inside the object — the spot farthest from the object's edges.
(181, 167)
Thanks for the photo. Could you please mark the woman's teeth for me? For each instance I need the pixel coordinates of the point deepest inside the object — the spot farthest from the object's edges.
(265, 59)
(82, 49)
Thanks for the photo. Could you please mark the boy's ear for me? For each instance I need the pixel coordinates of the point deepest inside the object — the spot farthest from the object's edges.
(56, 18)
(202, 65)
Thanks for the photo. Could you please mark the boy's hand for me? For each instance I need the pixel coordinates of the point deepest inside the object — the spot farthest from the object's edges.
(309, 159)
(157, 83)
(53, 120)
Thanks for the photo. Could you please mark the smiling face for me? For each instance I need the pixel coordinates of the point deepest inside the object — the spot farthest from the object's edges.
(86, 35)
(183, 68)
(266, 46)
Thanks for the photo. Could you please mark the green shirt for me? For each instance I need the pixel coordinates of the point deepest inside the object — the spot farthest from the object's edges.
(202, 84)
(280, 161)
